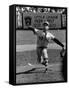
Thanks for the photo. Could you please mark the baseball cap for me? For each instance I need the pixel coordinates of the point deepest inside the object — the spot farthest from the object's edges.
(46, 23)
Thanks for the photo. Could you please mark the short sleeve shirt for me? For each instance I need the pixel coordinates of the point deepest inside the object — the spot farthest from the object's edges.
(43, 39)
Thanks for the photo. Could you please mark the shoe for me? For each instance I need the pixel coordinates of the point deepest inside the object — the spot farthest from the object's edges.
(46, 69)
(44, 63)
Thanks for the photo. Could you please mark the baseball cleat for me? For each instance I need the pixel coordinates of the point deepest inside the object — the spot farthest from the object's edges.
(45, 63)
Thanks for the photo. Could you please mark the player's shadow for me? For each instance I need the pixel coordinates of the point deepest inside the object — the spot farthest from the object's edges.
(32, 71)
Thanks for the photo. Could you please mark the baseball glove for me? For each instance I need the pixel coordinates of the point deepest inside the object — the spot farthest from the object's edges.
(62, 52)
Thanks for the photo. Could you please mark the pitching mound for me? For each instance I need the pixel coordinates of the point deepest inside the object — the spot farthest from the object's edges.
(36, 67)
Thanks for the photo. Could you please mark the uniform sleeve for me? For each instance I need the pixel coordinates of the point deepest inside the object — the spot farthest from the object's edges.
(36, 30)
(50, 36)
(39, 33)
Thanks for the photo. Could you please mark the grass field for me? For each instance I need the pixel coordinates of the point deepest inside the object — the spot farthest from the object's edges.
(27, 37)
(22, 58)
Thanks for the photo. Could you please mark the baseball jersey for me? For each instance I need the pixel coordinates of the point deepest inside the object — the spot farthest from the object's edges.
(42, 38)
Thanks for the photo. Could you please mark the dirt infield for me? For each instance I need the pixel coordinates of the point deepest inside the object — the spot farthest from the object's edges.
(22, 58)
(53, 74)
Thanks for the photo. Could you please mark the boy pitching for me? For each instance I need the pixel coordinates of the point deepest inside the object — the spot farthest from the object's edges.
(43, 38)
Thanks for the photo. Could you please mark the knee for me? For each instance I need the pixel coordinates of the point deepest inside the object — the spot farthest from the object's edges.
(45, 54)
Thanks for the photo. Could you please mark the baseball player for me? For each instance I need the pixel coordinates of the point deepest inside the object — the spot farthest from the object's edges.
(43, 38)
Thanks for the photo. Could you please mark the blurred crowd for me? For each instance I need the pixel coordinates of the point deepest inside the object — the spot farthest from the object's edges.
(40, 10)
(20, 10)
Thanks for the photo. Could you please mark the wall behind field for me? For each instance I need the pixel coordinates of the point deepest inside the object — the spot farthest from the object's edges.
(27, 37)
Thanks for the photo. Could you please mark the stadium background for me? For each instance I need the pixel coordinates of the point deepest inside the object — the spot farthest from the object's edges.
(26, 46)
(24, 36)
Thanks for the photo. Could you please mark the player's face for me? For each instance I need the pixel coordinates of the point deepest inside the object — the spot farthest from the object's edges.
(46, 27)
